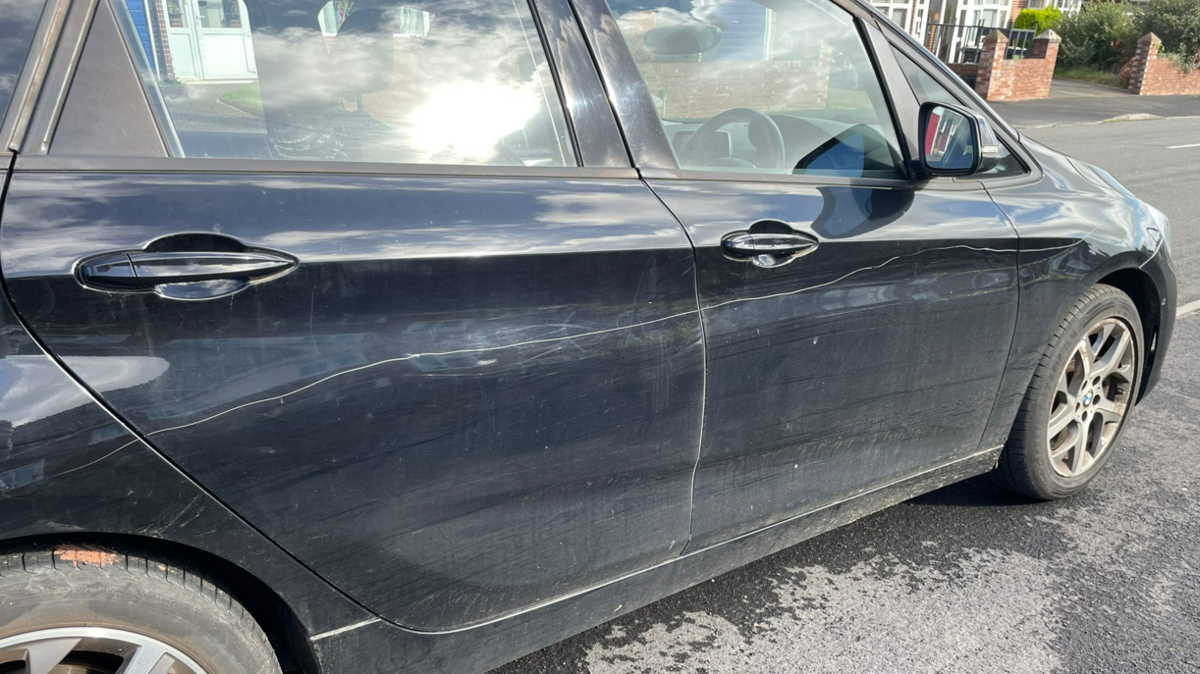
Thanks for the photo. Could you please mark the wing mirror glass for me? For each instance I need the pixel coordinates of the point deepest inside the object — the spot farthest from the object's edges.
(956, 142)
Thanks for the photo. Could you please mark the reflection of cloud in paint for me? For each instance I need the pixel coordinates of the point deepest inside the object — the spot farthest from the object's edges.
(34, 390)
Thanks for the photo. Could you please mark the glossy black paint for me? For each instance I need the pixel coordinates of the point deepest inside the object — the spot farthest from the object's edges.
(875, 356)
(1078, 227)
(582, 92)
(474, 409)
(528, 359)
(69, 469)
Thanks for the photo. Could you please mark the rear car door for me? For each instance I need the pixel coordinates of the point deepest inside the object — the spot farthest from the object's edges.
(391, 300)
(874, 352)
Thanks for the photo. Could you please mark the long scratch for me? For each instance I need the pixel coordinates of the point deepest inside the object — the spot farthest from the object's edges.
(432, 354)
(593, 333)
(89, 463)
(855, 272)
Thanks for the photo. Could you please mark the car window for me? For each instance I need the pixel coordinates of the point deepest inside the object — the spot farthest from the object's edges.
(423, 82)
(18, 22)
(779, 87)
(928, 89)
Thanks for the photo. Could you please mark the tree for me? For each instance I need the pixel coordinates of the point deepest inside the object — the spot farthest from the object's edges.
(1039, 20)
(1177, 24)
(1100, 35)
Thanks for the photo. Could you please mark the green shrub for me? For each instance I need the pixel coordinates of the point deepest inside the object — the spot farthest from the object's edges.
(1177, 24)
(1040, 20)
(1101, 35)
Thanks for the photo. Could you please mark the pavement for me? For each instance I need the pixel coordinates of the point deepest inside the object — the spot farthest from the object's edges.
(1075, 102)
(968, 578)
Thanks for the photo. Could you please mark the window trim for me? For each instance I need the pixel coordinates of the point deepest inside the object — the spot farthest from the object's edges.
(148, 82)
(63, 49)
(583, 97)
(648, 143)
(167, 165)
(14, 120)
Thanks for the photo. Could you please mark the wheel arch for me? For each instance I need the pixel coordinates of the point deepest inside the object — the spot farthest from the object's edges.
(1141, 288)
(268, 609)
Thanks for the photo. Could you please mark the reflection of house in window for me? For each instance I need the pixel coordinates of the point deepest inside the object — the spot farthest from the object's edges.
(908, 14)
(405, 21)
(195, 40)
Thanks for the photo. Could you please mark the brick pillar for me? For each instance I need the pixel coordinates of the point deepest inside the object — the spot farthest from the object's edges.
(991, 62)
(1147, 51)
(160, 39)
(1045, 46)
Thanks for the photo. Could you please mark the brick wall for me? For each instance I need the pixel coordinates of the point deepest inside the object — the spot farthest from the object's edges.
(703, 90)
(965, 70)
(161, 43)
(1001, 79)
(795, 78)
(1153, 74)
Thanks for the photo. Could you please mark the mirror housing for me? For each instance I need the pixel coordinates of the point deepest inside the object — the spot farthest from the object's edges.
(682, 39)
(955, 141)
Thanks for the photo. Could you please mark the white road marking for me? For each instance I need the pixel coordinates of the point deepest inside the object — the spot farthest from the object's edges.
(1180, 147)
(1187, 308)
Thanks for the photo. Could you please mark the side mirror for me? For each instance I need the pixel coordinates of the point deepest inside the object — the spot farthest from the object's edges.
(956, 142)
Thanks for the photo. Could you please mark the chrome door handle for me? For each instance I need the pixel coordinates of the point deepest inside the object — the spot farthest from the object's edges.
(138, 270)
(767, 244)
(185, 266)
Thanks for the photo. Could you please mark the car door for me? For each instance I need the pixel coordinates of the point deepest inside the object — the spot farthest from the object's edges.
(857, 320)
(382, 302)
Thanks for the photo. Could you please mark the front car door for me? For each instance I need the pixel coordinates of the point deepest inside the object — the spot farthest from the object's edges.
(381, 301)
(871, 349)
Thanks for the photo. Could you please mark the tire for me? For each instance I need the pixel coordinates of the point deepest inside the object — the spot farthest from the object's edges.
(121, 603)
(1027, 465)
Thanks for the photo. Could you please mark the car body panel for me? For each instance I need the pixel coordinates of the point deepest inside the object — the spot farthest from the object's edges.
(453, 408)
(1076, 229)
(871, 358)
(71, 471)
(379, 647)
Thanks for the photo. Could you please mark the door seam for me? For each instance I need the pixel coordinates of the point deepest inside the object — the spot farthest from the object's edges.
(704, 371)
(1012, 339)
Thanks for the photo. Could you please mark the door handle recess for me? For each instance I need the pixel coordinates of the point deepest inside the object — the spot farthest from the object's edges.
(768, 246)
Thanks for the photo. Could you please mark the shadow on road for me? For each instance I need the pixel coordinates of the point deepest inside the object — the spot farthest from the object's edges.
(977, 491)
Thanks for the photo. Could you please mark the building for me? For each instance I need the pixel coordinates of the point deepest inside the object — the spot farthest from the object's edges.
(911, 15)
(1065, 6)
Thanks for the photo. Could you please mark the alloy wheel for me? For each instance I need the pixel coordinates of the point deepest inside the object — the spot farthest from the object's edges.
(92, 650)
(1091, 398)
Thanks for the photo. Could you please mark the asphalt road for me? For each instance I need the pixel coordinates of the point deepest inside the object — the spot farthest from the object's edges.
(968, 579)
(1064, 106)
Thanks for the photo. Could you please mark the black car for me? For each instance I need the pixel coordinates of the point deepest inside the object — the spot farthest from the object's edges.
(413, 336)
